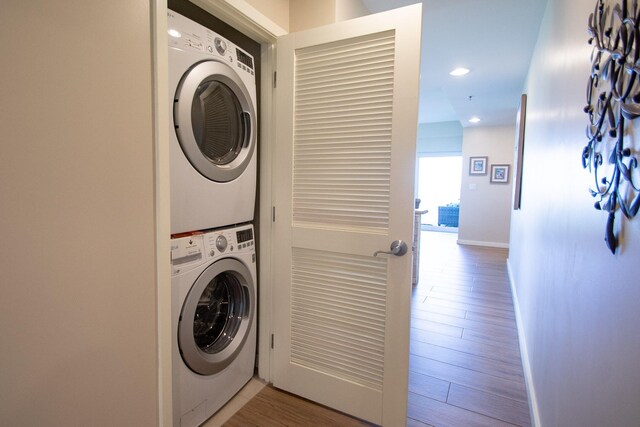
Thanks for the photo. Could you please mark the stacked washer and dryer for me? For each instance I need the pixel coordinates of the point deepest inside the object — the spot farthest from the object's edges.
(213, 187)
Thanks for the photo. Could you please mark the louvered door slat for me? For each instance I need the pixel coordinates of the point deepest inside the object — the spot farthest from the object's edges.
(331, 75)
(337, 314)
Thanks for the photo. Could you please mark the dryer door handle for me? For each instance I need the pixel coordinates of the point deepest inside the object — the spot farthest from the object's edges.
(246, 125)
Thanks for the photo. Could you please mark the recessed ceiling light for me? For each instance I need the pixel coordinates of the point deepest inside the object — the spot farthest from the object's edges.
(174, 33)
(474, 120)
(459, 72)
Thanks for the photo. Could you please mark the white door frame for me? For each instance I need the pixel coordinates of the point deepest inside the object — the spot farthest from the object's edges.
(162, 209)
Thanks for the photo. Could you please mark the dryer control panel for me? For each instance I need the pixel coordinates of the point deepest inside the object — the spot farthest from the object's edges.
(188, 35)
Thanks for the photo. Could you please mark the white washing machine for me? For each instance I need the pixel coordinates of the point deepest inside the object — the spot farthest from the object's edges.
(214, 299)
(212, 85)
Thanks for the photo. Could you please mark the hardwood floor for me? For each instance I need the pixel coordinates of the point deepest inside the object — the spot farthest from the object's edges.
(274, 408)
(465, 366)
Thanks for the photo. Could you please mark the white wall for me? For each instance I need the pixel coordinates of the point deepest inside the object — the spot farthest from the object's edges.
(579, 304)
(439, 139)
(275, 10)
(485, 208)
(349, 9)
(306, 14)
(78, 306)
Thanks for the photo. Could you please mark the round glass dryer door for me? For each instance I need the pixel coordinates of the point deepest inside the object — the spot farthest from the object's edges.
(216, 317)
(215, 121)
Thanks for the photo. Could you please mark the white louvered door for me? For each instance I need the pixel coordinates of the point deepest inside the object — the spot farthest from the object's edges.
(347, 100)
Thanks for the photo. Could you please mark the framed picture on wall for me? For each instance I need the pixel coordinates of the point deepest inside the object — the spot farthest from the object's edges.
(499, 174)
(519, 152)
(478, 165)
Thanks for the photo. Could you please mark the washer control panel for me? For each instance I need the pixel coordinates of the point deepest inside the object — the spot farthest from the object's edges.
(185, 34)
(229, 241)
(186, 251)
(190, 251)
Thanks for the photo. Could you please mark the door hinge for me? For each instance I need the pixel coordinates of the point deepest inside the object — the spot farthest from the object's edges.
(273, 214)
(275, 79)
(272, 341)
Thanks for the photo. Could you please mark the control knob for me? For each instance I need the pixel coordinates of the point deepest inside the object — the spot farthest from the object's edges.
(221, 243)
(221, 45)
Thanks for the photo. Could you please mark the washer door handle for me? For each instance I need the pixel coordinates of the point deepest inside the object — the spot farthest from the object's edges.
(246, 126)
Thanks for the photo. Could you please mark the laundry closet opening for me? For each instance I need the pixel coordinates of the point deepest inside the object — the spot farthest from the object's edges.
(213, 89)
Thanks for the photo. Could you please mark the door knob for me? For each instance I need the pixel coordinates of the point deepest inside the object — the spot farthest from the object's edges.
(398, 248)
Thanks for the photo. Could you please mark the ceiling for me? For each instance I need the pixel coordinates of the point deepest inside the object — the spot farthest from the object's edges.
(492, 38)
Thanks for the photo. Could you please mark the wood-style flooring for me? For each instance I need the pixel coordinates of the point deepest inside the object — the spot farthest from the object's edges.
(465, 367)
(275, 408)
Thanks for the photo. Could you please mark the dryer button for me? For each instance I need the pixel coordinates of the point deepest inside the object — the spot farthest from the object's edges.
(221, 243)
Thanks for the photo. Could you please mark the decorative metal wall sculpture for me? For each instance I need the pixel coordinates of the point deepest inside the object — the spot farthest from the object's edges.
(613, 102)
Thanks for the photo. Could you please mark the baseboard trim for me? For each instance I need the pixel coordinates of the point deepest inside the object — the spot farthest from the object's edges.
(427, 227)
(524, 353)
(482, 243)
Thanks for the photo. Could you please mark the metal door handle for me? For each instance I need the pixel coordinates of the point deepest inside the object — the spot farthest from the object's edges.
(398, 248)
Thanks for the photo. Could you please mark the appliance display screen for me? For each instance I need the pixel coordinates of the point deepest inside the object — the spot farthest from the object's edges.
(244, 58)
(244, 235)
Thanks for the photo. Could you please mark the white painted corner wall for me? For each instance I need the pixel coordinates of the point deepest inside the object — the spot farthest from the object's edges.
(276, 10)
(78, 313)
(578, 306)
(350, 9)
(307, 14)
(485, 208)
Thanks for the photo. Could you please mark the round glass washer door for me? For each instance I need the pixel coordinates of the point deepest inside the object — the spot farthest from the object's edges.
(216, 317)
(214, 121)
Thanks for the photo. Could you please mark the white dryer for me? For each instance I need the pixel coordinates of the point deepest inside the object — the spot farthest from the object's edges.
(214, 128)
(214, 299)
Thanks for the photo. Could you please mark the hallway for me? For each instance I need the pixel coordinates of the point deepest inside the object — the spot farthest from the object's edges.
(465, 366)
